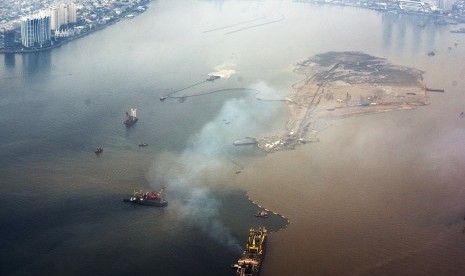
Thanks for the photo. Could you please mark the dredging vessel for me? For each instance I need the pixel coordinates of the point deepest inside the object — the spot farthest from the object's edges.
(131, 117)
(252, 256)
(149, 199)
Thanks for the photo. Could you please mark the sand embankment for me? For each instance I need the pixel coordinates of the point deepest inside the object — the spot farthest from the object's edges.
(367, 199)
(340, 85)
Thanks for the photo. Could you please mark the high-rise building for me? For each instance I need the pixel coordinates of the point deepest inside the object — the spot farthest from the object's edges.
(72, 18)
(35, 29)
(62, 15)
(54, 24)
(9, 37)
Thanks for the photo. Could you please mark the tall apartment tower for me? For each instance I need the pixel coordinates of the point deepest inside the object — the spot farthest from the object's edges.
(72, 17)
(54, 24)
(62, 15)
(35, 29)
(9, 37)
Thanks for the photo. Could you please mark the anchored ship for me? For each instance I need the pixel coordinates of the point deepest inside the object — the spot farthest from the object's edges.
(98, 150)
(131, 117)
(252, 257)
(261, 214)
(149, 199)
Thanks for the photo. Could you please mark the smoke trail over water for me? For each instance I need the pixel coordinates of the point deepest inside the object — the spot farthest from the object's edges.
(223, 70)
(189, 176)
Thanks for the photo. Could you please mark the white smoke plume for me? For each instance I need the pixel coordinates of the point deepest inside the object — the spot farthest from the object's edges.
(223, 70)
(191, 176)
(185, 177)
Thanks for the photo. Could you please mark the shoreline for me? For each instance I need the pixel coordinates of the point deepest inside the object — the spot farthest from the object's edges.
(75, 37)
(340, 85)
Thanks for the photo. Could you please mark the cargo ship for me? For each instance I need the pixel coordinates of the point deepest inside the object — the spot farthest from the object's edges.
(252, 257)
(148, 199)
(131, 117)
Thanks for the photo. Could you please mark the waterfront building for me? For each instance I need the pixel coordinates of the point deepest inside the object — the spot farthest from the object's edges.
(35, 29)
(62, 15)
(9, 37)
(54, 24)
(447, 4)
(72, 17)
(63, 33)
(414, 6)
(433, 4)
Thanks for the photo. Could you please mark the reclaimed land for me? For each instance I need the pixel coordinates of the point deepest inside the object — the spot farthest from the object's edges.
(344, 84)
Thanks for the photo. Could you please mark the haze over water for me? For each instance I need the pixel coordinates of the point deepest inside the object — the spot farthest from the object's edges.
(379, 195)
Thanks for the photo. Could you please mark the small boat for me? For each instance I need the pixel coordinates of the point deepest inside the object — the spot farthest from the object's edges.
(261, 214)
(213, 77)
(162, 98)
(143, 144)
(245, 141)
(98, 150)
(148, 199)
(131, 118)
(431, 53)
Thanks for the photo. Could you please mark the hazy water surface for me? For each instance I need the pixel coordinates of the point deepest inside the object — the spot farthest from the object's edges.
(378, 195)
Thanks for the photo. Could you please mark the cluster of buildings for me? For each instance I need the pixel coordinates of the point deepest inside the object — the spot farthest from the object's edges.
(441, 7)
(36, 29)
(459, 6)
(34, 24)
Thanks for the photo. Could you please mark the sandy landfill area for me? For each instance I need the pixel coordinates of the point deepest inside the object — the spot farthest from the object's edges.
(344, 84)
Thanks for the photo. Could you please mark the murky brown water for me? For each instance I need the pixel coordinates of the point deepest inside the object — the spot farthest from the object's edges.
(379, 195)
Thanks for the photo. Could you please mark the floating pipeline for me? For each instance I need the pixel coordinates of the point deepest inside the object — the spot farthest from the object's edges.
(427, 89)
(268, 210)
(204, 93)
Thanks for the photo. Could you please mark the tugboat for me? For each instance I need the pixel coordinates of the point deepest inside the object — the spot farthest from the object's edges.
(252, 257)
(131, 118)
(148, 199)
(98, 150)
(213, 77)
